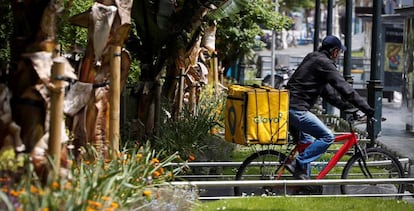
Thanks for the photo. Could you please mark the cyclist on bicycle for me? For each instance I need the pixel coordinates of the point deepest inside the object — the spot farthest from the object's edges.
(317, 76)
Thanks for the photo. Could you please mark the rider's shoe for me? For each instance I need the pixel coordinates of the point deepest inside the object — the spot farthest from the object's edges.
(301, 175)
(297, 171)
(291, 166)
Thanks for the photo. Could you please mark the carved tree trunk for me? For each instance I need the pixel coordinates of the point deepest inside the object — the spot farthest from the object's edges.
(108, 25)
(33, 51)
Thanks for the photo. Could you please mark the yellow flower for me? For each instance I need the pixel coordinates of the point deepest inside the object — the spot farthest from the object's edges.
(139, 156)
(68, 185)
(46, 209)
(147, 193)
(106, 198)
(155, 160)
(114, 205)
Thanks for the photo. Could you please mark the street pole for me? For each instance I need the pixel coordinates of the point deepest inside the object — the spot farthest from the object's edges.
(317, 23)
(348, 43)
(328, 108)
(329, 19)
(272, 70)
(375, 85)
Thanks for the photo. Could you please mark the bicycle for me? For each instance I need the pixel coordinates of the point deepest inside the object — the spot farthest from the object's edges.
(270, 164)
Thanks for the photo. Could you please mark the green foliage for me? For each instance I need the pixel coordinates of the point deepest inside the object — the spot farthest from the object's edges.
(9, 161)
(287, 5)
(6, 29)
(236, 33)
(229, 8)
(306, 204)
(70, 35)
(192, 134)
(133, 180)
(134, 72)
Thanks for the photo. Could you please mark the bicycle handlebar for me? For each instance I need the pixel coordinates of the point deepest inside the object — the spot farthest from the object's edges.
(354, 116)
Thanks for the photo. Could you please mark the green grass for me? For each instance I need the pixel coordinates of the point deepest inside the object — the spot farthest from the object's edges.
(305, 204)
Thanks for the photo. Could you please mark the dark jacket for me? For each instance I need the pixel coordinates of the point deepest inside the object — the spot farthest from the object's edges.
(316, 76)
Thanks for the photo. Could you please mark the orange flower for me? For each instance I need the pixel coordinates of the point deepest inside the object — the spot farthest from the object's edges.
(34, 189)
(213, 131)
(161, 170)
(191, 157)
(88, 208)
(14, 193)
(55, 185)
(156, 174)
(95, 204)
(4, 179)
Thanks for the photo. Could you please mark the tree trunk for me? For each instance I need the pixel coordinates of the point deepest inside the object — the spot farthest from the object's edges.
(105, 29)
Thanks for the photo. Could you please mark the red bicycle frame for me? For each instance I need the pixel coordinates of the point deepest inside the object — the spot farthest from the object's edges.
(351, 140)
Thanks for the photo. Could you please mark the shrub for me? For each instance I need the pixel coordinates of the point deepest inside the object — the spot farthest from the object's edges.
(130, 181)
(197, 136)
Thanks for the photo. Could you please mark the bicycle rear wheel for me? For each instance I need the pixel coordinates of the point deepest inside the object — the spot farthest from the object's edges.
(263, 165)
(380, 164)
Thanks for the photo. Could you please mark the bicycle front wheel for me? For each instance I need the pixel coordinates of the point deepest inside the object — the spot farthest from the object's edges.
(262, 165)
(377, 163)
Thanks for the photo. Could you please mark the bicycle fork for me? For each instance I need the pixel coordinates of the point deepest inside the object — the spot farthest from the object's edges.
(362, 163)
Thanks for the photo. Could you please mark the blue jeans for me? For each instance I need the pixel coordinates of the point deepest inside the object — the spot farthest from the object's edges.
(311, 129)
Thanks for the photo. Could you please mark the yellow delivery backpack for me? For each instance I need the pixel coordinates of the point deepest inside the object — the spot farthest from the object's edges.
(256, 115)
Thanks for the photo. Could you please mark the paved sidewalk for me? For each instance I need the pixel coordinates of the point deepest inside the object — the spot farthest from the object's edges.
(394, 136)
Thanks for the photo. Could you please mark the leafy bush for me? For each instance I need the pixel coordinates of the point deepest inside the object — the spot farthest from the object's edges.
(197, 134)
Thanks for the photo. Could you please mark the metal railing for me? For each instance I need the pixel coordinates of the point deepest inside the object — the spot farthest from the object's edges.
(245, 183)
(404, 161)
(286, 183)
(237, 164)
